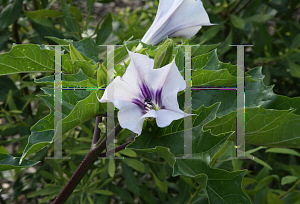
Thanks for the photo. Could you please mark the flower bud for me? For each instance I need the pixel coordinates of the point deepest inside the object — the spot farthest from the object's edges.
(75, 55)
(101, 76)
(164, 54)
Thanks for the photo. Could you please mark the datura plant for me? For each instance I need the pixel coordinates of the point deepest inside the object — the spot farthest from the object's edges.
(150, 94)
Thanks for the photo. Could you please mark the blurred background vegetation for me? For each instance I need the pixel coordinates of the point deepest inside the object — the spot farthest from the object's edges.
(271, 26)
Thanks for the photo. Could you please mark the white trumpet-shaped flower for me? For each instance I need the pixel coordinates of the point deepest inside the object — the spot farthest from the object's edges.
(144, 92)
(176, 18)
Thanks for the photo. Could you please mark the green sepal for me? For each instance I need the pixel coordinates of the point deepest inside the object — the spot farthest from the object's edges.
(164, 54)
(101, 76)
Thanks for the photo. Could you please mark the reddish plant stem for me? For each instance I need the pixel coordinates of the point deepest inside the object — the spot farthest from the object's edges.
(85, 165)
(97, 130)
(117, 149)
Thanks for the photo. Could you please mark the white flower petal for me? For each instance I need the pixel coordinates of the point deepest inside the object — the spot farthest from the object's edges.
(169, 101)
(173, 83)
(165, 117)
(165, 80)
(173, 80)
(187, 32)
(173, 18)
(139, 67)
(164, 12)
(131, 117)
(140, 81)
(118, 90)
(109, 89)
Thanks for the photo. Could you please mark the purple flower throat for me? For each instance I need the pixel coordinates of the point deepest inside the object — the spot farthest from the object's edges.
(148, 99)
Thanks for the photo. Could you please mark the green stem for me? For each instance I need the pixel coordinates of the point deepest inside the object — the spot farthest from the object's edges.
(195, 194)
(16, 32)
(244, 6)
(291, 189)
(212, 2)
(149, 160)
(117, 149)
(235, 5)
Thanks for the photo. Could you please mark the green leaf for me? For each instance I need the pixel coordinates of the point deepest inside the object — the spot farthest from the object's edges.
(88, 48)
(111, 167)
(255, 149)
(103, 192)
(223, 48)
(89, 198)
(161, 185)
(259, 94)
(207, 70)
(48, 190)
(204, 147)
(69, 21)
(274, 199)
(216, 178)
(133, 35)
(75, 55)
(237, 21)
(43, 13)
(130, 179)
(4, 38)
(128, 152)
(135, 164)
(283, 151)
(90, 6)
(61, 41)
(44, 27)
(87, 68)
(124, 194)
(42, 24)
(105, 30)
(10, 13)
(256, 94)
(47, 175)
(76, 13)
(144, 192)
(260, 18)
(288, 180)
(173, 135)
(273, 128)
(294, 68)
(29, 58)
(248, 181)
(73, 104)
(202, 77)
(70, 80)
(296, 42)
(163, 152)
(7, 85)
(259, 161)
(101, 76)
(207, 97)
(292, 197)
(8, 162)
(210, 33)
